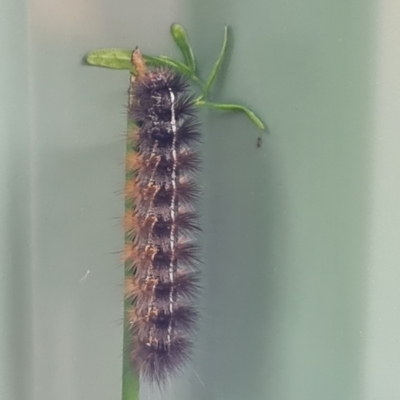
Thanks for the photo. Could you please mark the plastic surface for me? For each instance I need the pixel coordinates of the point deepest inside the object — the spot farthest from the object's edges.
(300, 236)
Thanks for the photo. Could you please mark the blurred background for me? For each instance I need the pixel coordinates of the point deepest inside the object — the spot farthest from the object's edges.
(300, 241)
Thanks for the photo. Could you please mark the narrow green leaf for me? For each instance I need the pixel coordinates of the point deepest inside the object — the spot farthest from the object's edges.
(217, 65)
(181, 39)
(110, 58)
(121, 59)
(233, 107)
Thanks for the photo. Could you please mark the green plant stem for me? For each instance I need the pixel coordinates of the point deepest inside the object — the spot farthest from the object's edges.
(130, 381)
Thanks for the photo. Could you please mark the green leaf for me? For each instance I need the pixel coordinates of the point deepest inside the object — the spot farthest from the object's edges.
(181, 39)
(217, 65)
(233, 107)
(121, 59)
(110, 58)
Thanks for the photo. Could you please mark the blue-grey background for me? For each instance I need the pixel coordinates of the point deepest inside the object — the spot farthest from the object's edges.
(300, 236)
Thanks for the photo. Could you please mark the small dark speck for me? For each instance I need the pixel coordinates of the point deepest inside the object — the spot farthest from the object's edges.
(259, 142)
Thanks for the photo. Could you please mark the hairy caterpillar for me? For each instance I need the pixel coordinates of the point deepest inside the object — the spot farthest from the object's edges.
(159, 218)
(160, 222)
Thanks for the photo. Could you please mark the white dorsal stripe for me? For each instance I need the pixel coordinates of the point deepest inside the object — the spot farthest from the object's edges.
(172, 237)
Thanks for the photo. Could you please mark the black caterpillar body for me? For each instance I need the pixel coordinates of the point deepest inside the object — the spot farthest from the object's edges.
(160, 223)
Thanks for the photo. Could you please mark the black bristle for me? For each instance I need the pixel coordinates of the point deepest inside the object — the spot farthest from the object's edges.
(182, 321)
(186, 286)
(160, 170)
(157, 81)
(186, 255)
(188, 132)
(187, 135)
(161, 226)
(157, 362)
(185, 105)
(186, 192)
